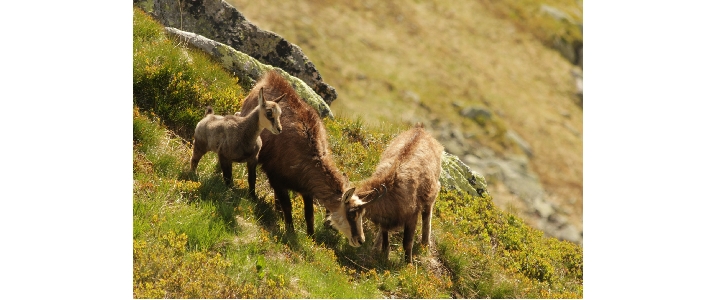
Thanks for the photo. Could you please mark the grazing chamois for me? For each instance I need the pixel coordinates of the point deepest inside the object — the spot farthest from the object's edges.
(235, 138)
(404, 184)
(299, 158)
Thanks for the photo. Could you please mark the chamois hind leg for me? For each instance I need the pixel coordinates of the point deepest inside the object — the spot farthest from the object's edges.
(252, 177)
(426, 224)
(226, 165)
(309, 213)
(198, 150)
(408, 242)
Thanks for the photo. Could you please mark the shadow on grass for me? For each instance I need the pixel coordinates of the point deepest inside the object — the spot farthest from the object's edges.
(364, 258)
(225, 199)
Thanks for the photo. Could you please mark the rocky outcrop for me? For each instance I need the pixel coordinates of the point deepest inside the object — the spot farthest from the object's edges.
(248, 69)
(219, 21)
(512, 171)
(455, 175)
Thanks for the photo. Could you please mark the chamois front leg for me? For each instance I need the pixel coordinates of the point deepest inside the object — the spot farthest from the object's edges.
(281, 196)
(381, 243)
(198, 150)
(226, 165)
(309, 214)
(252, 176)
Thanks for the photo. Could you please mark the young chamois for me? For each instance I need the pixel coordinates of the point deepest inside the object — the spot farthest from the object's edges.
(404, 184)
(299, 158)
(235, 138)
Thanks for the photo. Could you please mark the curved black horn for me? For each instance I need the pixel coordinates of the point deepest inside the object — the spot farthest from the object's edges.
(382, 194)
(377, 197)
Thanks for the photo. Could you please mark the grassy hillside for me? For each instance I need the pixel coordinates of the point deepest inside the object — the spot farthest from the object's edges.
(195, 238)
(407, 61)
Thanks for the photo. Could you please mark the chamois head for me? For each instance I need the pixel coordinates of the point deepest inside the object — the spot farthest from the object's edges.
(348, 219)
(269, 113)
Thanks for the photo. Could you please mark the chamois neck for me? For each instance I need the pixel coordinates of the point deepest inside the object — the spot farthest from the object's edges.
(327, 186)
(372, 188)
(254, 128)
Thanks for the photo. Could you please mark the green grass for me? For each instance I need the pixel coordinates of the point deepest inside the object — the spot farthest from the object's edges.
(176, 82)
(195, 238)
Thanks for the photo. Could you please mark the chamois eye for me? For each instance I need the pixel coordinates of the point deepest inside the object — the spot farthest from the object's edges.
(269, 114)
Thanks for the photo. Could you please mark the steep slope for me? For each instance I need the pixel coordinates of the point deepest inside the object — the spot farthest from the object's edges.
(407, 61)
(195, 238)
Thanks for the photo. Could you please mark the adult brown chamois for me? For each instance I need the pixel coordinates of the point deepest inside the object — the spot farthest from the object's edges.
(235, 138)
(299, 158)
(404, 185)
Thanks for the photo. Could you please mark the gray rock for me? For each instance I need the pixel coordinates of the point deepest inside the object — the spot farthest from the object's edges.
(455, 175)
(525, 147)
(556, 13)
(565, 48)
(471, 159)
(472, 112)
(543, 208)
(452, 146)
(558, 219)
(248, 68)
(457, 135)
(579, 54)
(411, 96)
(570, 233)
(577, 74)
(218, 20)
(483, 152)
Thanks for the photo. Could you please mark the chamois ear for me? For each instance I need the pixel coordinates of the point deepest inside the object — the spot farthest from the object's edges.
(346, 178)
(348, 195)
(280, 98)
(261, 97)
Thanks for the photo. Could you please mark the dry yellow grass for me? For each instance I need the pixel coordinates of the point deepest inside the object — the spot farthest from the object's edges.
(378, 53)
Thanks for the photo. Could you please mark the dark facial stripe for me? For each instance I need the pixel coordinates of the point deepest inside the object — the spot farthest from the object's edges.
(352, 218)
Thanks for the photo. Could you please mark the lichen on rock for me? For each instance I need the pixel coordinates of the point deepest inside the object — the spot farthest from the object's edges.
(455, 175)
(247, 69)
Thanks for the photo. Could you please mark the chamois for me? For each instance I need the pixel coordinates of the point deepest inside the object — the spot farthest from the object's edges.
(235, 138)
(404, 184)
(299, 158)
